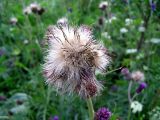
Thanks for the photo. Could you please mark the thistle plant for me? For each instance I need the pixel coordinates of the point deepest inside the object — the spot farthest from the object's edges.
(134, 77)
(72, 58)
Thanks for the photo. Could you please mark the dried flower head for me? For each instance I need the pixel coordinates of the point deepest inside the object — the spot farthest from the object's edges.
(27, 10)
(13, 21)
(72, 58)
(63, 20)
(101, 21)
(103, 5)
(137, 76)
(34, 8)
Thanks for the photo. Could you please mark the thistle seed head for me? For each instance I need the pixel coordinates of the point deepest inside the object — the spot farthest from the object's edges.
(72, 58)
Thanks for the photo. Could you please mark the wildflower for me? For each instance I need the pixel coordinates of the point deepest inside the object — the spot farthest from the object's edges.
(34, 8)
(54, 118)
(142, 86)
(153, 6)
(123, 30)
(155, 113)
(62, 21)
(26, 41)
(131, 51)
(136, 106)
(72, 59)
(103, 114)
(125, 72)
(13, 21)
(141, 29)
(106, 35)
(27, 10)
(112, 18)
(155, 40)
(128, 21)
(137, 76)
(103, 5)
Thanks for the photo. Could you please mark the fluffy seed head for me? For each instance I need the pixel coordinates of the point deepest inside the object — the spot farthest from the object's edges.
(103, 5)
(63, 20)
(13, 20)
(72, 58)
(34, 8)
(137, 76)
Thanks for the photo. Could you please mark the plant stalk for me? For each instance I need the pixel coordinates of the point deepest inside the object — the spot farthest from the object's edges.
(90, 108)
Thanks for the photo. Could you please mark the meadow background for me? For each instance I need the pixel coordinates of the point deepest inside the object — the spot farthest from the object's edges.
(23, 92)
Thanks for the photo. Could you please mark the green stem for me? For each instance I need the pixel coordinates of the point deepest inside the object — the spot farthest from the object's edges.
(47, 102)
(129, 113)
(90, 108)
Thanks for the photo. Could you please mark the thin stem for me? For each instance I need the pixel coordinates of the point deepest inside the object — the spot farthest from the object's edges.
(47, 102)
(113, 70)
(134, 96)
(129, 98)
(90, 108)
(129, 113)
(129, 92)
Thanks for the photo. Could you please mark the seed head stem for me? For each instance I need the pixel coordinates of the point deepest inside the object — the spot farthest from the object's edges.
(90, 108)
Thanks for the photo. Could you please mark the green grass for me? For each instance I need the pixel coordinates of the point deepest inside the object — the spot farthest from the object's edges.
(21, 70)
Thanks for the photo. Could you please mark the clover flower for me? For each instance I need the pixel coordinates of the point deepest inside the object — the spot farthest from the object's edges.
(103, 114)
(137, 76)
(154, 114)
(123, 30)
(110, 19)
(155, 40)
(141, 29)
(131, 51)
(128, 21)
(106, 35)
(136, 106)
(72, 58)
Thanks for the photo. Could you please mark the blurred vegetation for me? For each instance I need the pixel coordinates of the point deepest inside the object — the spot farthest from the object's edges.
(24, 94)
